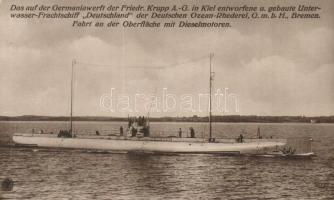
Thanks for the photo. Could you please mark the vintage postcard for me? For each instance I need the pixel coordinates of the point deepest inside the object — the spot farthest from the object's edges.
(219, 99)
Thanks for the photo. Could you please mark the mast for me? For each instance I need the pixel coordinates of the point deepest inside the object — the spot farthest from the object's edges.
(210, 101)
(71, 113)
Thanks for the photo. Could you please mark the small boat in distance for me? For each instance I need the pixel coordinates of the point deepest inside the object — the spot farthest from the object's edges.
(314, 121)
(138, 139)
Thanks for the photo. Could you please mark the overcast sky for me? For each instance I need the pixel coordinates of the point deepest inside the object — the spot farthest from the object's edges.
(274, 67)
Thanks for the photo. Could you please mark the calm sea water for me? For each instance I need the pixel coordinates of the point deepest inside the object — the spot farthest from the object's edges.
(79, 174)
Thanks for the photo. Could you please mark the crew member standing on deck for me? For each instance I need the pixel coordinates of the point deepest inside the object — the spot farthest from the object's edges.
(180, 132)
(121, 131)
(192, 132)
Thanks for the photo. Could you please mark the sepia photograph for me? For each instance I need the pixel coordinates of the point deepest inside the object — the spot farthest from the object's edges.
(184, 99)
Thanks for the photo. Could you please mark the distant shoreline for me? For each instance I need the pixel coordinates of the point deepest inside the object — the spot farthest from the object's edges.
(225, 118)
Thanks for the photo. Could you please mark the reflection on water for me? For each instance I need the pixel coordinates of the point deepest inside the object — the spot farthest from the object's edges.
(80, 174)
